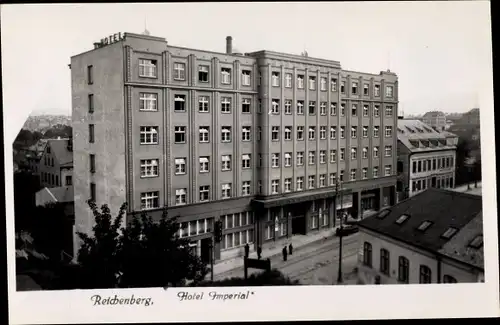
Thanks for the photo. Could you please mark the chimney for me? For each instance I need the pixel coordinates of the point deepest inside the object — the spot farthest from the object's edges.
(229, 45)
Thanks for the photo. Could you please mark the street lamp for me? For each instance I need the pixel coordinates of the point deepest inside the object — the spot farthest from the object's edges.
(338, 190)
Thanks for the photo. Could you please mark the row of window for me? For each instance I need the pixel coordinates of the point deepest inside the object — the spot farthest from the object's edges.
(148, 69)
(49, 161)
(432, 164)
(195, 227)
(403, 266)
(236, 220)
(236, 239)
(53, 180)
(149, 134)
(437, 182)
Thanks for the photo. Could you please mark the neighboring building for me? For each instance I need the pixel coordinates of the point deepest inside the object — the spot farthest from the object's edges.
(435, 119)
(426, 158)
(255, 140)
(56, 163)
(33, 155)
(433, 237)
(470, 118)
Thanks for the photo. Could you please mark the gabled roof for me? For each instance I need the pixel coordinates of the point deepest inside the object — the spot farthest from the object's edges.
(60, 194)
(444, 212)
(59, 148)
(418, 136)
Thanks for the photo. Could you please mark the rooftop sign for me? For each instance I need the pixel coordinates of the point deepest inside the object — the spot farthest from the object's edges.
(109, 40)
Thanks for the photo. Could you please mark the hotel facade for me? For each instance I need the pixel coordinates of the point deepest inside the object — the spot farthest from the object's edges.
(256, 140)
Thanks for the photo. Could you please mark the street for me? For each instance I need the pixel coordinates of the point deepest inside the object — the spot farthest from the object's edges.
(315, 264)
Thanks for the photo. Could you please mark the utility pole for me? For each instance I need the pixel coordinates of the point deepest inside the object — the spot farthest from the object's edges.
(339, 191)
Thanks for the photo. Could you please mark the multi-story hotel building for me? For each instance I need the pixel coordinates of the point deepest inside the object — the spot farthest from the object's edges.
(256, 140)
(426, 158)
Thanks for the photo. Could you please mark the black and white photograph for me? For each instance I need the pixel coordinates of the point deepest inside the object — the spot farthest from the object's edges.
(221, 157)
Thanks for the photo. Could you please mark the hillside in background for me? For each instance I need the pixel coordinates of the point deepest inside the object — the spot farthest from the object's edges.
(42, 123)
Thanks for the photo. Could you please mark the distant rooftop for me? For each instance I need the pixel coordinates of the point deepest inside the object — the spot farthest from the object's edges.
(418, 136)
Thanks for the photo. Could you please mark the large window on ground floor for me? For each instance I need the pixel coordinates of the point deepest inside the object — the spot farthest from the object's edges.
(236, 239)
(195, 227)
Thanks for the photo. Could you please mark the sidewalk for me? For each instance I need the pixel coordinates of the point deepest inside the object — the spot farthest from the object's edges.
(274, 248)
(473, 189)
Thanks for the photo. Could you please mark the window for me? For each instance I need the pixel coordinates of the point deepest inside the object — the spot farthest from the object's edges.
(180, 166)
(179, 134)
(275, 184)
(204, 134)
(353, 174)
(354, 88)
(341, 176)
(375, 131)
(92, 192)
(354, 153)
(342, 154)
(226, 162)
(300, 183)
(311, 182)
(367, 254)
(322, 156)
(365, 153)
(288, 106)
(203, 104)
(342, 87)
(91, 103)
(388, 111)
(312, 107)
(333, 178)
(322, 108)
(288, 80)
(226, 134)
(365, 132)
(404, 270)
(288, 159)
(342, 132)
(449, 279)
(376, 111)
(245, 133)
(92, 163)
(259, 106)
(259, 133)
(322, 132)
(275, 106)
(150, 200)
(288, 133)
(387, 170)
(376, 91)
(149, 167)
(402, 219)
(342, 109)
(312, 83)
(366, 88)
(322, 180)
(91, 133)
(388, 131)
(226, 105)
(365, 110)
(260, 160)
(226, 191)
(388, 151)
(245, 161)
(312, 157)
(180, 103)
(477, 242)
(275, 133)
(180, 196)
(425, 274)
(300, 107)
(204, 163)
(288, 185)
(354, 132)
(389, 91)
(225, 76)
(90, 74)
(312, 132)
(375, 172)
(333, 132)
(275, 79)
(334, 84)
(449, 233)
(245, 77)
(384, 261)
(245, 105)
(323, 84)
(375, 152)
(300, 133)
(333, 156)
(300, 158)
(333, 108)
(149, 135)
(203, 73)
(245, 188)
(69, 180)
(204, 193)
(275, 160)
(300, 81)
(179, 71)
(147, 68)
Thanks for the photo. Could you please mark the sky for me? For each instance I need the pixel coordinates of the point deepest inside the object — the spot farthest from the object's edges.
(441, 51)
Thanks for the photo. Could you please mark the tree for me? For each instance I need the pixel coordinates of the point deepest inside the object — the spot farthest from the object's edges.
(463, 152)
(59, 130)
(271, 278)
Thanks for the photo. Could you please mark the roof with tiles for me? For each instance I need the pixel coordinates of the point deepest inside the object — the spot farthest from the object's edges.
(418, 136)
(426, 219)
(60, 150)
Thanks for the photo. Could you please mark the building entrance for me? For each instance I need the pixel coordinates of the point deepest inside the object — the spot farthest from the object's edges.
(206, 250)
(299, 225)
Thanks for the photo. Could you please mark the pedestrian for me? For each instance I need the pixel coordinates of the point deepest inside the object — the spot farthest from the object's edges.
(290, 249)
(259, 252)
(247, 250)
(284, 254)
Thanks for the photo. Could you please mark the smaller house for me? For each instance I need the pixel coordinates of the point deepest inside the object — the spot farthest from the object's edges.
(56, 163)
